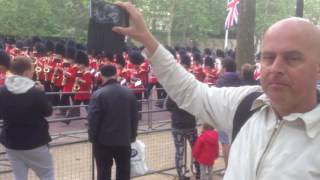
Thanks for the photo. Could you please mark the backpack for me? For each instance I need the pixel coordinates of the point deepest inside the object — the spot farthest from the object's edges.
(243, 112)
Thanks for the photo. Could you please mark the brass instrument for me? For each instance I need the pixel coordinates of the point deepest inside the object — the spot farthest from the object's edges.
(76, 85)
(64, 78)
(46, 70)
(55, 75)
(65, 66)
(38, 69)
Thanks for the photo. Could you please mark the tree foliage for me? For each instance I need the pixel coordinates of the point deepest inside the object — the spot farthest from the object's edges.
(173, 21)
(59, 18)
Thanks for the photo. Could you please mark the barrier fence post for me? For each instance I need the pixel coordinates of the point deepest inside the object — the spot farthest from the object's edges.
(149, 114)
(92, 161)
(185, 157)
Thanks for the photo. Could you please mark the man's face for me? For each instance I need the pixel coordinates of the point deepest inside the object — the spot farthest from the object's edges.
(289, 65)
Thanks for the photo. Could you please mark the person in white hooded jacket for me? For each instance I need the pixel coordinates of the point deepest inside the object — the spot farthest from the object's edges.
(25, 132)
(281, 139)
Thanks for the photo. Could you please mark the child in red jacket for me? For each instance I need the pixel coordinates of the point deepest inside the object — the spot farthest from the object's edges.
(206, 150)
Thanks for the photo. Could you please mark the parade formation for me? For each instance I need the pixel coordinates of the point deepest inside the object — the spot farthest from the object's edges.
(66, 68)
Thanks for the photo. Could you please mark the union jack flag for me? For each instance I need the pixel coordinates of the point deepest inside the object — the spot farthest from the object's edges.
(232, 17)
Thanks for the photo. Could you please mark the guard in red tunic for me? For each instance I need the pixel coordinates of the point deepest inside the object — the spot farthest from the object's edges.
(138, 77)
(83, 82)
(140, 70)
(42, 68)
(57, 75)
(210, 71)
(122, 72)
(196, 67)
(68, 78)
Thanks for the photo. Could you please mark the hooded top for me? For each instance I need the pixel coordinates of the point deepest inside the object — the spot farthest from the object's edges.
(23, 108)
(206, 149)
(18, 84)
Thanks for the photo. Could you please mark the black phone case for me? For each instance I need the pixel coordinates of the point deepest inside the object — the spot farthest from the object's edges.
(101, 38)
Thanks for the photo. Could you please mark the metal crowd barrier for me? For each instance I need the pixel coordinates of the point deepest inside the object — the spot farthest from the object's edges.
(73, 160)
(72, 153)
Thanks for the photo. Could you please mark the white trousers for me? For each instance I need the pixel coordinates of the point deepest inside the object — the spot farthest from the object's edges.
(38, 159)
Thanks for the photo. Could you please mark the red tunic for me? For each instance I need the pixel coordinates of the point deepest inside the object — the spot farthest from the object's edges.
(84, 87)
(43, 62)
(197, 70)
(58, 73)
(93, 63)
(137, 89)
(124, 74)
(71, 76)
(51, 66)
(211, 77)
(141, 72)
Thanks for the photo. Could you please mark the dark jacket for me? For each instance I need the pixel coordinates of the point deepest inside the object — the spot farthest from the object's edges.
(113, 115)
(246, 82)
(24, 125)
(181, 119)
(229, 79)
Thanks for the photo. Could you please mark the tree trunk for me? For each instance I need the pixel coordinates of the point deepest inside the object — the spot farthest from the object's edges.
(170, 23)
(245, 33)
(299, 8)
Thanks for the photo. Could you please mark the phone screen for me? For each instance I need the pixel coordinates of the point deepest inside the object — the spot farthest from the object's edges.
(108, 13)
(100, 35)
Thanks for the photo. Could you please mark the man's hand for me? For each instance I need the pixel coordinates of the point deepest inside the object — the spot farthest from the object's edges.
(138, 29)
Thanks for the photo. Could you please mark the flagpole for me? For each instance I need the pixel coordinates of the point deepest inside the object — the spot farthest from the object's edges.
(226, 39)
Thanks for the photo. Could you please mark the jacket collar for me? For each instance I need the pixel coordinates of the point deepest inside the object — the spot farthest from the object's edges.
(111, 81)
(310, 119)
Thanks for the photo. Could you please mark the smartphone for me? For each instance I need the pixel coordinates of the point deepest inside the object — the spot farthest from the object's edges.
(100, 35)
(110, 14)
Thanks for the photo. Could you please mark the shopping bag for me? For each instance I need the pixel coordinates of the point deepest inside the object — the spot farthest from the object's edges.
(137, 161)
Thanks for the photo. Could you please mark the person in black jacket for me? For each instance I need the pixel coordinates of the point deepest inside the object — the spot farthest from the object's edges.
(113, 121)
(183, 128)
(25, 133)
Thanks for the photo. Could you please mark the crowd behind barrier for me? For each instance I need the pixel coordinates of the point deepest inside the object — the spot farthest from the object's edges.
(72, 151)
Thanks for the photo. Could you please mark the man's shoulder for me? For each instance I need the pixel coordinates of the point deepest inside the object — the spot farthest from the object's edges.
(111, 89)
(35, 91)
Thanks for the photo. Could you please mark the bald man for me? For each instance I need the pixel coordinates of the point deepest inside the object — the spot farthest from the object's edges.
(281, 139)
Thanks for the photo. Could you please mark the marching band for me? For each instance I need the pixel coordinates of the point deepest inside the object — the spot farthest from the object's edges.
(72, 75)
